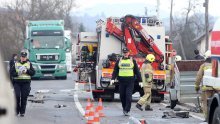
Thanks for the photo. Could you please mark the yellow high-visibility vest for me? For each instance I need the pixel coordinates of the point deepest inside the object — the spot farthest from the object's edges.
(126, 67)
(22, 76)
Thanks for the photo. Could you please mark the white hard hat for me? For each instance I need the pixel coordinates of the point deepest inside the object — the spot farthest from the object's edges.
(208, 54)
(178, 58)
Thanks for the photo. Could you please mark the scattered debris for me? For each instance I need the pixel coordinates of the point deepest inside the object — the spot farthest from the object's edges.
(59, 106)
(133, 120)
(177, 109)
(172, 114)
(168, 115)
(167, 106)
(39, 98)
(182, 114)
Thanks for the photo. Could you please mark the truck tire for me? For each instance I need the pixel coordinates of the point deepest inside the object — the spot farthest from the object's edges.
(107, 96)
(216, 117)
(156, 99)
(35, 78)
(64, 77)
(111, 98)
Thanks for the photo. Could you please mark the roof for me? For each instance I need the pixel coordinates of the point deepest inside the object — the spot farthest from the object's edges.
(199, 38)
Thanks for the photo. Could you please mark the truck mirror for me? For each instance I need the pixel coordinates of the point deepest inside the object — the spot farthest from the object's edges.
(32, 40)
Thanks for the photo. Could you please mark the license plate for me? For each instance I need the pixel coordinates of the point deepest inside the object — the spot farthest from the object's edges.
(48, 75)
(106, 79)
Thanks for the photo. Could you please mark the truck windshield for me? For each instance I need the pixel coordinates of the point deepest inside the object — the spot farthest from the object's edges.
(48, 42)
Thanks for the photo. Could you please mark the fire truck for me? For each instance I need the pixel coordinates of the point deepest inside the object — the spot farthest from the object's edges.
(141, 35)
(211, 77)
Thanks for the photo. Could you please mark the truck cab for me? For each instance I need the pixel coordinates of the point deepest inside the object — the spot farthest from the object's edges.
(47, 47)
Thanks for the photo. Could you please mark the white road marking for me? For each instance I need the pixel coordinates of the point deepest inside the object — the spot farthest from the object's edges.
(67, 90)
(191, 114)
(43, 91)
(77, 103)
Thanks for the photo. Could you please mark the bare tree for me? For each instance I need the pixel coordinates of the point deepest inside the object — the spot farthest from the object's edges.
(186, 28)
(19, 11)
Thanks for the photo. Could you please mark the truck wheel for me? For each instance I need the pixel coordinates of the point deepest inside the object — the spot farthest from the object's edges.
(35, 78)
(216, 117)
(110, 98)
(64, 77)
(105, 96)
(156, 99)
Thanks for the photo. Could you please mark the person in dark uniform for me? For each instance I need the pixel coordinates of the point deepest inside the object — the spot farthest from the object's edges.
(11, 64)
(22, 72)
(198, 56)
(126, 69)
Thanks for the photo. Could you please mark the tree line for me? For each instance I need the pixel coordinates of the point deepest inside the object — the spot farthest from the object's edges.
(13, 17)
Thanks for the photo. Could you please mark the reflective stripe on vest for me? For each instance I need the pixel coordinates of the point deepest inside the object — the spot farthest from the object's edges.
(207, 66)
(126, 67)
(22, 76)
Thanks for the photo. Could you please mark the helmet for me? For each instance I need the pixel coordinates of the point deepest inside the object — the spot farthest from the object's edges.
(178, 58)
(23, 53)
(150, 57)
(125, 50)
(208, 54)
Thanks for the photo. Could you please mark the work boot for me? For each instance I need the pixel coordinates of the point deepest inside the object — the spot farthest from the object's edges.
(21, 115)
(148, 108)
(139, 107)
(124, 112)
(127, 113)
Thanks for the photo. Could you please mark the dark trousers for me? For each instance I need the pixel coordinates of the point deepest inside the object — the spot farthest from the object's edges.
(22, 90)
(126, 90)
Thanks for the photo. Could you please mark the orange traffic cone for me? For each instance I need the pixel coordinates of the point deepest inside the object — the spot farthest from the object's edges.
(91, 116)
(100, 104)
(143, 121)
(100, 108)
(96, 118)
(88, 106)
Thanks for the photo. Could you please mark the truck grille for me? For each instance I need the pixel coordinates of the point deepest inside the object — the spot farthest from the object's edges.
(48, 66)
(47, 72)
(47, 57)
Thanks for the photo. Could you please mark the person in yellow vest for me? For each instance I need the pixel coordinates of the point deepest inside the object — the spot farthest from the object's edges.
(147, 80)
(126, 69)
(22, 72)
(206, 90)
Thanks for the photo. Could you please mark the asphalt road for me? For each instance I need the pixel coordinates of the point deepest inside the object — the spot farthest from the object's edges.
(73, 102)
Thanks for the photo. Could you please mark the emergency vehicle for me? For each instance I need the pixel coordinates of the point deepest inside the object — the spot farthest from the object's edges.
(141, 35)
(211, 77)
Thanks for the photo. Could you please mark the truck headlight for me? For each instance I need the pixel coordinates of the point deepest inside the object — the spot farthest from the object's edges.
(62, 66)
(35, 67)
(38, 57)
(56, 57)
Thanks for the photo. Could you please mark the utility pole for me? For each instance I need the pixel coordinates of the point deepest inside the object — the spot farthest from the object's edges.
(146, 11)
(158, 9)
(171, 19)
(206, 5)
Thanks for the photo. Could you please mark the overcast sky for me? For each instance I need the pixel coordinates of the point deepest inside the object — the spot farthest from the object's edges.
(136, 7)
